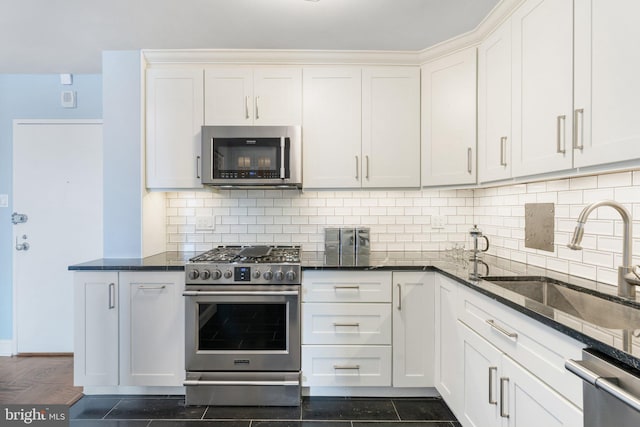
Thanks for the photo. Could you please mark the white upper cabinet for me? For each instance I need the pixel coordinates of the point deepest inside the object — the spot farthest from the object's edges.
(331, 123)
(390, 127)
(174, 117)
(253, 96)
(494, 105)
(449, 120)
(361, 127)
(607, 87)
(542, 86)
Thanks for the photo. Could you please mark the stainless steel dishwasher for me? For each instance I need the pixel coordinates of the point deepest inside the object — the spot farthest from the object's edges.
(611, 395)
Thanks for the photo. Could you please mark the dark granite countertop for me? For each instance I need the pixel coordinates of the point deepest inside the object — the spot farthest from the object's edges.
(608, 341)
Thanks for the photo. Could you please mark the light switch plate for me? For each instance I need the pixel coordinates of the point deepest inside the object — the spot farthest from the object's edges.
(437, 222)
(205, 222)
(68, 99)
(4, 200)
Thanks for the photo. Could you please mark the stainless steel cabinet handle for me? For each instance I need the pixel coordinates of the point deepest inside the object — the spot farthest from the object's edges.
(205, 383)
(469, 155)
(346, 366)
(352, 287)
(561, 147)
(357, 169)
(257, 107)
(246, 107)
(233, 293)
(602, 383)
(367, 158)
(353, 325)
(112, 296)
(503, 151)
(492, 370)
(500, 329)
(152, 288)
(578, 127)
(503, 412)
(399, 296)
(198, 167)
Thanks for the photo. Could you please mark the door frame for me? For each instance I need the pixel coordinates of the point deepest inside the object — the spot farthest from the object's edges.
(14, 290)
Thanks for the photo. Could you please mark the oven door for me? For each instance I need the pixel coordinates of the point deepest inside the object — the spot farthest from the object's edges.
(243, 328)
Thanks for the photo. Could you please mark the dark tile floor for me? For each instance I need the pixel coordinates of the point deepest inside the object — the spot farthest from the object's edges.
(170, 411)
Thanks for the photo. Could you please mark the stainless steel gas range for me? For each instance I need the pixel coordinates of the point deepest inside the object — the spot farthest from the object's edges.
(243, 326)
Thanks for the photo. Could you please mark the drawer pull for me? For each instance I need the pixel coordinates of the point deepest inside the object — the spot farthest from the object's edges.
(502, 330)
(337, 367)
(353, 288)
(353, 325)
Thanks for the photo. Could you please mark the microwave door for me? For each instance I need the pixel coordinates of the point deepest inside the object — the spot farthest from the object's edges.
(282, 158)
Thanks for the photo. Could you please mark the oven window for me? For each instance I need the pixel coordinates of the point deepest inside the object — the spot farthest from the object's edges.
(261, 159)
(242, 326)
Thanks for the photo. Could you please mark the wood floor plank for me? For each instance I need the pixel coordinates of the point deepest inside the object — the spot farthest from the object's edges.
(38, 380)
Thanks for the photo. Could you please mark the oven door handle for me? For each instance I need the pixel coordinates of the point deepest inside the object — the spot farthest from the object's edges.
(205, 383)
(219, 293)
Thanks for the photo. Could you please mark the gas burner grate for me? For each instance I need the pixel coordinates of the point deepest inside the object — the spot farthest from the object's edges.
(250, 254)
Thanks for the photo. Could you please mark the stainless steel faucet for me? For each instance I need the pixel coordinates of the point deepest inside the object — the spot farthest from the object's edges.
(628, 275)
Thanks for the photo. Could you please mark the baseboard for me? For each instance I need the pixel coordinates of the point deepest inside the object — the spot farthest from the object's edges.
(6, 347)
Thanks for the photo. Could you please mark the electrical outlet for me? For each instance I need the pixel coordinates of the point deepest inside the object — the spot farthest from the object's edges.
(4, 200)
(437, 222)
(205, 222)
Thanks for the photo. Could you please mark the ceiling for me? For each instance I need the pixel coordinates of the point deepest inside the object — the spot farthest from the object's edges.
(68, 36)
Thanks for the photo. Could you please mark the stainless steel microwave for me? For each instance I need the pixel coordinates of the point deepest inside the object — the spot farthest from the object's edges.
(252, 156)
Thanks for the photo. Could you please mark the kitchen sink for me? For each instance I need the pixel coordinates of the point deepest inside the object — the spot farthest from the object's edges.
(580, 304)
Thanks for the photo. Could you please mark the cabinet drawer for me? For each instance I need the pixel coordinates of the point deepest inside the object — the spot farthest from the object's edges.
(346, 366)
(346, 286)
(346, 323)
(540, 349)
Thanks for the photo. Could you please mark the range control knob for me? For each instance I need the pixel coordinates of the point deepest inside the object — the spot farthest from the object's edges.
(194, 274)
(205, 274)
(279, 276)
(257, 274)
(268, 275)
(216, 274)
(291, 276)
(228, 274)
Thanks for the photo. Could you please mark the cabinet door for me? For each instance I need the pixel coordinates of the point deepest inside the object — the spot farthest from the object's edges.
(449, 120)
(174, 119)
(447, 337)
(96, 329)
(152, 329)
(277, 96)
(391, 127)
(331, 119)
(607, 87)
(480, 404)
(542, 86)
(494, 106)
(531, 403)
(346, 286)
(228, 96)
(413, 329)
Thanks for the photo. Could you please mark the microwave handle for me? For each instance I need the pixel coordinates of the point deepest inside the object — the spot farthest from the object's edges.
(282, 166)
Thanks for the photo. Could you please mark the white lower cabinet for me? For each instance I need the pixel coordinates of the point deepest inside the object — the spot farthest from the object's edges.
(346, 366)
(96, 307)
(497, 367)
(413, 329)
(129, 329)
(447, 359)
(151, 329)
(500, 392)
(360, 331)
